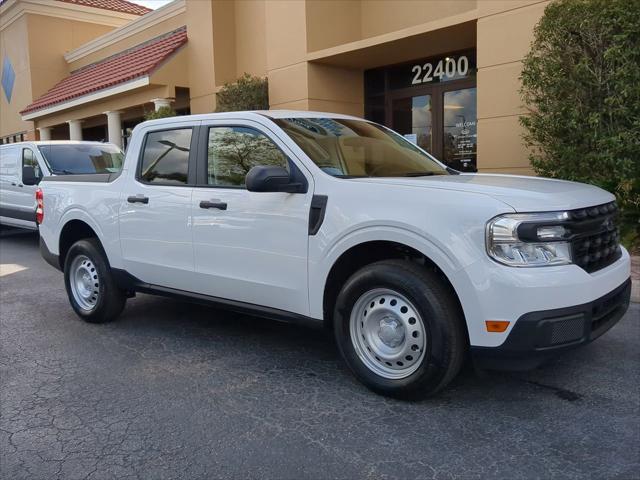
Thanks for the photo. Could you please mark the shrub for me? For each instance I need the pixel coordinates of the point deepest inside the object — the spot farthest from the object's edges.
(581, 84)
(162, 112)
(247, 93)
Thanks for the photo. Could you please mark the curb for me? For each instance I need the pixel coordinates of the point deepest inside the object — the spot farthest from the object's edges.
(635, 279)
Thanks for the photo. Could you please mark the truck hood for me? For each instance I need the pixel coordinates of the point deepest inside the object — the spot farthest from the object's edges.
(523, 194)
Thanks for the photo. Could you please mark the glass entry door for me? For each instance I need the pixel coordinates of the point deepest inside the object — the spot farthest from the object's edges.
(441, 119)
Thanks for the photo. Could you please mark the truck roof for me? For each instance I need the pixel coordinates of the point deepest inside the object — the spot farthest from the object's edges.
(55, 142)
(255, 115)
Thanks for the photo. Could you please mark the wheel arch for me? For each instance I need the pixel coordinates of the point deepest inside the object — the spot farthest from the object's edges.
(72, 231)
(359, 254)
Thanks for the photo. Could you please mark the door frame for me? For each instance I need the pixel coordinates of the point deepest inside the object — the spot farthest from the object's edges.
(436, 91)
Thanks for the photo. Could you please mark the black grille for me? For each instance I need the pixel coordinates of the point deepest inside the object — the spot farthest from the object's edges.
(595, 239)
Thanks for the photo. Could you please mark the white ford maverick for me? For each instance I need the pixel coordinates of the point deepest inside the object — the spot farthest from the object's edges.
(337, 221)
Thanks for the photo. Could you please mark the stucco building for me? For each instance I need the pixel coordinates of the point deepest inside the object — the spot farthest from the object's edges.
(443, 73)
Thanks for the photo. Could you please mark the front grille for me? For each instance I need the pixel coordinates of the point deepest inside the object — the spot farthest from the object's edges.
(595, 239)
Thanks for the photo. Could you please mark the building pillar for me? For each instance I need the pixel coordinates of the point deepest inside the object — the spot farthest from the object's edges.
(45, 133)
(75, 129)
(114, 127)
(162, 102)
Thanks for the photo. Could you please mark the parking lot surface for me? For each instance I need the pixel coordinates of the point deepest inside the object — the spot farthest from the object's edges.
(173, 390)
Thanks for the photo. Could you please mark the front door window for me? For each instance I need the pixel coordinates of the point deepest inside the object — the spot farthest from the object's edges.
(412, 117)
(460, 129)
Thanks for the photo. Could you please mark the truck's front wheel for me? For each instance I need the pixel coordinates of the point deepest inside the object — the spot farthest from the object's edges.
(92, 291)
(400, 329)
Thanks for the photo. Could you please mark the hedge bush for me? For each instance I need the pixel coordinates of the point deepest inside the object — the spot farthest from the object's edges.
(247, 93)
(581, 86)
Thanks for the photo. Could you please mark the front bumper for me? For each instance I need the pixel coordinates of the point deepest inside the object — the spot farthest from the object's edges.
(538, 336)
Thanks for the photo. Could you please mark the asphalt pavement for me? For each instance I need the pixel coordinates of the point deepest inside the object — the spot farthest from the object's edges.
(174, 390)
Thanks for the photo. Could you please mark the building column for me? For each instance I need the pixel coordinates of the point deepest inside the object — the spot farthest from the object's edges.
(75, 129)
(45, 133)
(114, 127)
(162, 102)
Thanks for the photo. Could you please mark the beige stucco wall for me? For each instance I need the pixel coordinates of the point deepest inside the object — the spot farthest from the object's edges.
(505, 31)
(14, 45)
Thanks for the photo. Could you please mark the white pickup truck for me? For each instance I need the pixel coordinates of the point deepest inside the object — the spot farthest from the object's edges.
(337, 221)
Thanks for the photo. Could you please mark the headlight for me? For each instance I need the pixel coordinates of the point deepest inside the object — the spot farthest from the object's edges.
(529, 239)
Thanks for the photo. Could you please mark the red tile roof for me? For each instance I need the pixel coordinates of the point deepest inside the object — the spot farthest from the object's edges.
(122, 67)
(114, 5)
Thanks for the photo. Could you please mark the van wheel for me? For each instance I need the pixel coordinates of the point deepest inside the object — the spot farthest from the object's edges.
(400, 329)
(92, 291)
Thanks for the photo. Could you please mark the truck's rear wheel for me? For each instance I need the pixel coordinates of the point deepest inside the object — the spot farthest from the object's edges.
(399, 329)
(92, 292)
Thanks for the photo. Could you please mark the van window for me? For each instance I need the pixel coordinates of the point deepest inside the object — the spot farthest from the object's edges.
(9, 161)
(79, 158)
(29, 160)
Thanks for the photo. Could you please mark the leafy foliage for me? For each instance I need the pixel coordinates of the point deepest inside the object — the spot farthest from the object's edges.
(581, 84)
(162, 112)
(235, 151)
(247, 93)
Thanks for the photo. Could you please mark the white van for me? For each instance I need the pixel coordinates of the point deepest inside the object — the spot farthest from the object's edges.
(24, 164)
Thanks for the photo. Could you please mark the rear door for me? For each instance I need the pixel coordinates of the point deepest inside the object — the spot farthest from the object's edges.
(248, 246)
(155, 213)
(17, 202)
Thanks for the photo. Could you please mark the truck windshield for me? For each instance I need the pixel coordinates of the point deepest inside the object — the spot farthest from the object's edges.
(355, 148)
(79, 158)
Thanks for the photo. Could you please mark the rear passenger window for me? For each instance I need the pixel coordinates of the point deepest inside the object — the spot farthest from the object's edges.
(165, 159)
(29, 160)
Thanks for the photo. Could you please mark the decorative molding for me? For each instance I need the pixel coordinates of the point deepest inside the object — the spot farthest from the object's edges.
(12, 10)
(107, 92)
(139, 25)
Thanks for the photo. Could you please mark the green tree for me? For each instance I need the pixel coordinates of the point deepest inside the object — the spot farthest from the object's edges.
(247, 93)
(581, 85)
(162, 112)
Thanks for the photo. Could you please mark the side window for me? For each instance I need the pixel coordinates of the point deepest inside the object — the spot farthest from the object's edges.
(233, 151)
(165, 159)
(29, 160)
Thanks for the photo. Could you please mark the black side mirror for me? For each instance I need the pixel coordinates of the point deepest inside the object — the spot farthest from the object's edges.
(263, 178)
(29, 176)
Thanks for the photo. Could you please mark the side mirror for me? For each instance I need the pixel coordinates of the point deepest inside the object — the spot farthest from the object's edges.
(262, 178)
(29, 176)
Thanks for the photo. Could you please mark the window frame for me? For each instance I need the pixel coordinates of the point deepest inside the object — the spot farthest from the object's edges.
(191, 167)
(202, 174)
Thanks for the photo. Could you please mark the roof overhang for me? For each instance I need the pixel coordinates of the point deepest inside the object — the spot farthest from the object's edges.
(107, 92)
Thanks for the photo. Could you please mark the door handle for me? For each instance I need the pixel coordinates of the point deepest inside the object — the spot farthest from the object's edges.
(138, 199)
(213, 204)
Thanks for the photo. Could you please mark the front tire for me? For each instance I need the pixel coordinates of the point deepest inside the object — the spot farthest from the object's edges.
(91, 289)
(400, 329)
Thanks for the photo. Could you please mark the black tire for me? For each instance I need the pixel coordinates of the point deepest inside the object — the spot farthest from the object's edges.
(110, 299)
(446, 342)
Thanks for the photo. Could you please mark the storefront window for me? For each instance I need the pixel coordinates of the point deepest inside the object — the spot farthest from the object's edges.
(431, 102)
(412, 118)
(460, 129)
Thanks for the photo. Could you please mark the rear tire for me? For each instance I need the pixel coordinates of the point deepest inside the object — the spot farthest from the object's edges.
(400, 329)
(91, 289)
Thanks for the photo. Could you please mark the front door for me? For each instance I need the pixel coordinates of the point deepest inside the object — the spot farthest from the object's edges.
(155, 210)
(248, 246)
(442, 120)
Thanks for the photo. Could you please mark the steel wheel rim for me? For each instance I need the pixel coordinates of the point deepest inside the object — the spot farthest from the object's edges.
(85, 282)
(388, 333)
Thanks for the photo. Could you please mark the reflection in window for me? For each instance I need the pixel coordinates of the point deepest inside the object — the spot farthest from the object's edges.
(412, 117)
(166, 157)
(233, 151)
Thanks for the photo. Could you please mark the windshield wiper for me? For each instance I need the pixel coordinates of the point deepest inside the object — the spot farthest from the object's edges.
(63, 172)
(420, 174)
